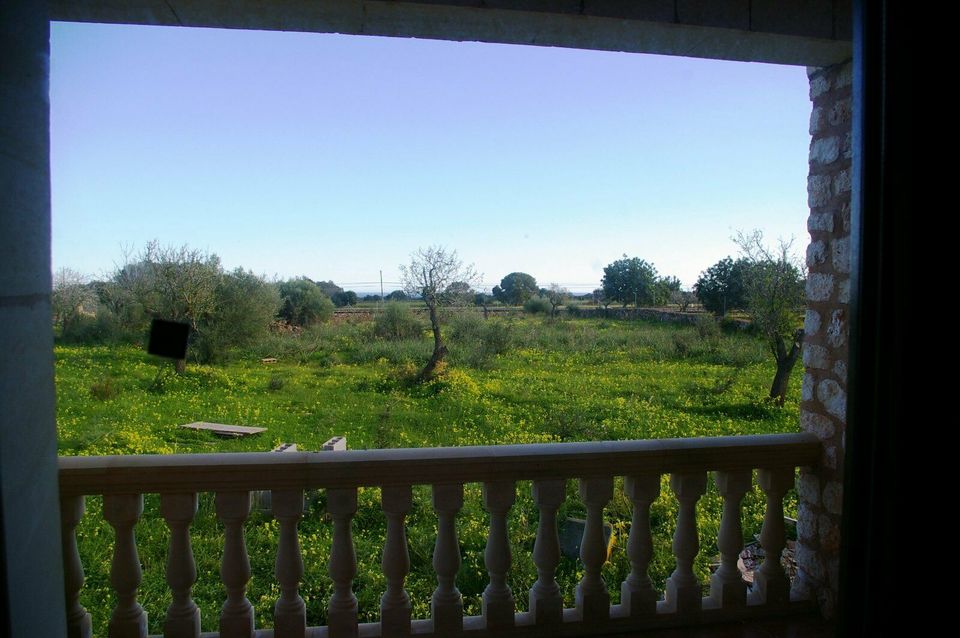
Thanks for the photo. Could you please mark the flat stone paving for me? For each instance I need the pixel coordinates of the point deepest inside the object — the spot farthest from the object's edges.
(221, 429)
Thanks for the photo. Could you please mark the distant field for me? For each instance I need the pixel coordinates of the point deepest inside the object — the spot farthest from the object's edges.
(509, 380)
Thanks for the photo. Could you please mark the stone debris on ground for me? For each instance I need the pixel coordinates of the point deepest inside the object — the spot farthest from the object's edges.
(753, 555)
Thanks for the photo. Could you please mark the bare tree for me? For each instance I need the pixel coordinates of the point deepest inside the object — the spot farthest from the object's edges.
(429, 275)
(601, 298)
(70, 293)
(173, 283)
(556, 295)
(184, 282)
(774, 283)
(682, 298)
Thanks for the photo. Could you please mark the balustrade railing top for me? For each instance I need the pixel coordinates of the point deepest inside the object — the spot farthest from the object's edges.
(419, 466)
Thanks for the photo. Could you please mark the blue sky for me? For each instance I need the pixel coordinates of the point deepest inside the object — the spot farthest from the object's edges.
(337, 156)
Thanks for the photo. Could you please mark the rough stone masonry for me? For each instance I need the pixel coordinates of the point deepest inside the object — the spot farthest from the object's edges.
(824, 396)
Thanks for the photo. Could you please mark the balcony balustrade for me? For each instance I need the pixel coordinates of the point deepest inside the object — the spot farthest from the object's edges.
(123, 480)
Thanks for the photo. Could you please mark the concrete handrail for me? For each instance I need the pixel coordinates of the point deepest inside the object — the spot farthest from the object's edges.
(406, 466)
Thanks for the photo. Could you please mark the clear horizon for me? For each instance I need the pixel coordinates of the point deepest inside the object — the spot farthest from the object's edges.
(334, 157)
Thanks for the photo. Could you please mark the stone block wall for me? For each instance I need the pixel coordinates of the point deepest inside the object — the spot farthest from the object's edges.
(825, 352)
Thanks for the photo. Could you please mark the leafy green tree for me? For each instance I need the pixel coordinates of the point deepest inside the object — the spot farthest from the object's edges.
(664, 289)
(774, 298)
(344, 298)
(303, 303)
(721, 288)
(327, 287)
(515, 289)
(630, 280)
(430, 273)
(396, 295)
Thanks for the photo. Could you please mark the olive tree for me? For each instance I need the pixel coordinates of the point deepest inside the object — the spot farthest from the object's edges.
(246, 306)
(303, 303)
(177, 283)
(774, 296)
(223, 310)
(683, 299)
(172, 283)
(429, 276)
(557, 296)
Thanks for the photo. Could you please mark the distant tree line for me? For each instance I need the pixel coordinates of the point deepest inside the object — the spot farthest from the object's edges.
(230, 309)
(224, 309)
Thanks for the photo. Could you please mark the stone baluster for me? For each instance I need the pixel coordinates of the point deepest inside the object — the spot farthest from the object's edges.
(637, 595)
(236, 616)
(183, 615)
(128, 620)
(546, 601)
(289, 612)
(593, 600)
(342, 611)
(727, 588)
(771, 584)
(498, 604)
(395, 607)
(683, 592)
(446, 603)
(78, 620)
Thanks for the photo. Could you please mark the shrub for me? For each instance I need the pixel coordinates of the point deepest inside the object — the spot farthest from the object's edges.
(466, 327)
(734, 325)
(245, 307)
(707, 327)
(536, 306)
(104, 389)
(303, 302)
(397, 322)
(476, 341)
(275, 383)
(575, 311)
(497, 337)
(93, 330)
(681, 344)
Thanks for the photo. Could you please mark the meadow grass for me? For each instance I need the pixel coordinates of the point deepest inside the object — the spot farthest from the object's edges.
(519, 380)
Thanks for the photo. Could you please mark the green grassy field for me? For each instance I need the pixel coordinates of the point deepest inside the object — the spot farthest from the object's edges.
(518, 380)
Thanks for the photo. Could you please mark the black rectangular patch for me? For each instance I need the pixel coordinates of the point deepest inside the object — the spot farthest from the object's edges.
(168, 339)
